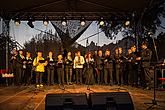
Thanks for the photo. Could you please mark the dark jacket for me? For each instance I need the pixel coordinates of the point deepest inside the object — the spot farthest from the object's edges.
(146, 57)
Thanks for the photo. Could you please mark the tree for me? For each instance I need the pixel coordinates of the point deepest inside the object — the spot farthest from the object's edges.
(149, 21)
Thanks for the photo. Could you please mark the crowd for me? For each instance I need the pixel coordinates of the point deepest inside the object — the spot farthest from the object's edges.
(96, 67)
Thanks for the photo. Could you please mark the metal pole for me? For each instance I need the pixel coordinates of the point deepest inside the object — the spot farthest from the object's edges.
(5, 28)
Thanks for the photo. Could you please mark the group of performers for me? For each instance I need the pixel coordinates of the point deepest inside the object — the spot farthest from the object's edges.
(92, 68)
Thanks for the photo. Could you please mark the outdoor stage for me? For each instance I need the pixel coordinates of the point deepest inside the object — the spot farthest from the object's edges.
(26, 98)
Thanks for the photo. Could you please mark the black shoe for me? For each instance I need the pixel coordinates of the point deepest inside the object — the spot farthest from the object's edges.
(147, 88)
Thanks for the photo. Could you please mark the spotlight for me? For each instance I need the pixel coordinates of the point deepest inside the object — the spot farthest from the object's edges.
(150, 33)
(64, 22)
(30, 22)
(45, 21)
(82, 21)
(101, 23)
(17, 21)
(127, 23)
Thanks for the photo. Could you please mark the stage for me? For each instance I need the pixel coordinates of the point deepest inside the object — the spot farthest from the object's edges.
(28, 98)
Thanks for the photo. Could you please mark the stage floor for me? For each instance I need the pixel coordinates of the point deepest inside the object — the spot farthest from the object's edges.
(27, 98)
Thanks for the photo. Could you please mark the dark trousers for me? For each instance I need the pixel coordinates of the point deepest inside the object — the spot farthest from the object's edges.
(135, 73)
(19, 72)
(100, 76)
(68, 70)
(60, 73)
(50, 76)
(145, 78)
(14, 71)
(89, 76)
(39, 77)
(119, 74)
(79, 72)
(128, 74)
(27, 75)
(108, 73)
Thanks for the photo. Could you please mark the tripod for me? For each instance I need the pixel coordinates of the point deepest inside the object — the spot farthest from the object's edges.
(154, 101)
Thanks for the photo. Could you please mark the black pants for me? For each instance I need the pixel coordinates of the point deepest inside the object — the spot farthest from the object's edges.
(39, 77)
(79, 72)
(27, 75)
(50, 76)
(19, 72)
(89, 76)
(145, 78)
(135, 74)
(68, 70)
(60, 73)
(14, 71)
(100, 76)
(119, 74)
(108, 74)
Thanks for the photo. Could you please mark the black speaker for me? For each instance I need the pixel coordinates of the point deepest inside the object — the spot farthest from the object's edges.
(111, 101)
(66, 102)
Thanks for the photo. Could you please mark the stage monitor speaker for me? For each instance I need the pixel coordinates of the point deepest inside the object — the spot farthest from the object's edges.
(66, 102)
(111, 101)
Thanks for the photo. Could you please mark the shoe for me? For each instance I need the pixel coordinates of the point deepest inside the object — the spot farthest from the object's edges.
(41, 85)
(147, 88)
(37, 85)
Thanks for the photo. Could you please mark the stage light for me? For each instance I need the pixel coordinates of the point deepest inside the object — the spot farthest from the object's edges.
(17, 21)
(101, 23)
(30, 22)
(64, 22)
(45, 21)
(82, 21)
(127, 23)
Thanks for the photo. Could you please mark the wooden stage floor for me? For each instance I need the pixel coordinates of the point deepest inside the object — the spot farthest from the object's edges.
(26, 98)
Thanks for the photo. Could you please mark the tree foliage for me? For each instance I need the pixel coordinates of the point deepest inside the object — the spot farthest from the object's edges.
(149, 19)
(46, 42)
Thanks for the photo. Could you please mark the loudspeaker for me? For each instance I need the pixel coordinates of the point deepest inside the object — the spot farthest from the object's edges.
(66, 102)
(111, 101)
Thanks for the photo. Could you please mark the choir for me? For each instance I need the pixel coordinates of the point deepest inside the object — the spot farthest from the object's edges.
(92, 68)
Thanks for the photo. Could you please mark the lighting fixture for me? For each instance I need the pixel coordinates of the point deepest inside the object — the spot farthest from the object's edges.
(82, 21)
(64, 22)
(45, 21)
(30, 22)
(101, 23)
(17, 21)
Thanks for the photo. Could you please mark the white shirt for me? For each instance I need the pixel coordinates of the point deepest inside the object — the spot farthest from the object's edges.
(78, 62)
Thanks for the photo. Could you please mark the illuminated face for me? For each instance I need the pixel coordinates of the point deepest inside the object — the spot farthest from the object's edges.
(89, 55)
(79, 53)
(100, 53)
(107, 53)
(95, 52)
(133, 49)
(15, 52)
(144, 46)
(59, 57)
(50, 54)
(69, 53)
(21, 52)
(120, 50)
(75, 54)
(117, 51)
(28, 55)
(39, 54)
(129, 51)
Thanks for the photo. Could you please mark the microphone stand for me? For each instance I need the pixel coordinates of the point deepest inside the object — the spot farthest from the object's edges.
(154, 101)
